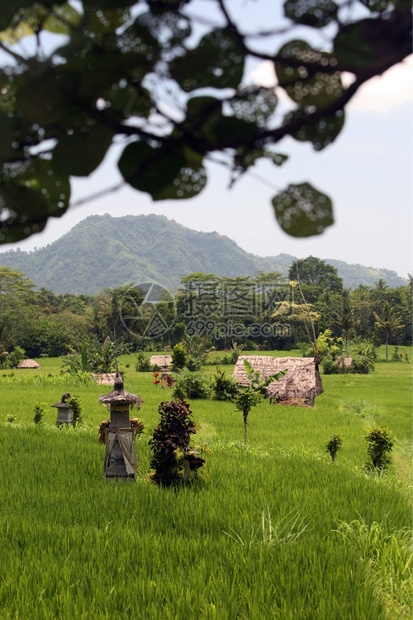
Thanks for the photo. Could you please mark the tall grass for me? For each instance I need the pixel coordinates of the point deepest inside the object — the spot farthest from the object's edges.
(256, 537)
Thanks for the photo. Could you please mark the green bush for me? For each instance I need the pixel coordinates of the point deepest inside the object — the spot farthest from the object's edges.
(363, 360)
(15, 357)
(379, 444)
(192, 385)
(333, 446)
(38, 411)
(330, 366)
(179, 356)
(142, 362)
(224, 387)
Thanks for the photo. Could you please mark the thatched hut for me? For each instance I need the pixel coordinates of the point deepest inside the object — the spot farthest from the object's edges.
(162, 361)
(104, 378)
(300, 385)
(28, 364)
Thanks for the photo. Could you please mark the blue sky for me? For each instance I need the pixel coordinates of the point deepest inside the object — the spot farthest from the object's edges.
(367, 173)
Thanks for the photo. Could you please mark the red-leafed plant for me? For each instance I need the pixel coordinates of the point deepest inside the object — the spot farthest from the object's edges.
(173, 460)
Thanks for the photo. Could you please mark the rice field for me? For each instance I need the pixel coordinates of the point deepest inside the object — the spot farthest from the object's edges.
(273, 529)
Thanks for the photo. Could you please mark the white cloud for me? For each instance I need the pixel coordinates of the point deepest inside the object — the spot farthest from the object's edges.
(380, 94)
(388, 91)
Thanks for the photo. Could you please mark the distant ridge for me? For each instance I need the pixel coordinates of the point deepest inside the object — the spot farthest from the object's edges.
(106, 252)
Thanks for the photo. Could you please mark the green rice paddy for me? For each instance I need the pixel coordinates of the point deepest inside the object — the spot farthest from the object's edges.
(273, 529)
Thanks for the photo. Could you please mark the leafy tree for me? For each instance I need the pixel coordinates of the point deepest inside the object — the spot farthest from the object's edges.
(16, 297)
(344, 318)
(387, 322)
(197, 351)
(54, 334)
(250, 395)
(315, 276)
(172, 87)
(94, 356)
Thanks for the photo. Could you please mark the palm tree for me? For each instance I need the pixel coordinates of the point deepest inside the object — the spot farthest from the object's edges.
(344, 318)
(388, 323)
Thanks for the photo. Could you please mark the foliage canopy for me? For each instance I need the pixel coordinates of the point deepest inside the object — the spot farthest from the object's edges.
(167, 83)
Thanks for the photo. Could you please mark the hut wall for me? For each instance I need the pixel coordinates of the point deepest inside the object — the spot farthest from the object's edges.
(302, 381)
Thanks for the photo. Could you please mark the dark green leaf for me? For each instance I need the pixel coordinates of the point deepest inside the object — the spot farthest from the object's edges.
(80, 153)
(163, 172)
(245, 157)
(61, 19)
(254, 106)
(217, 62)
(314, 13)
(171, 27)
(206, 122)
(32, 19)
(308, 75)
(30, 193)
(367, 45)
(45, 97)
(320, 132)
(101, 20)
(126, 100)
(302, 211)
(6, 14)
(6, 136)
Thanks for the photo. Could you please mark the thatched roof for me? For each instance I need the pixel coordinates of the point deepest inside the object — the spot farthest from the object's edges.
(119, 396)
(163, 361)
(28, 364)
(105, 378)
(302, 381)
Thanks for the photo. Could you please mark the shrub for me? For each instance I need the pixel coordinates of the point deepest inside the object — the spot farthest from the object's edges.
(15, 357)
(194, 363)
(333, 446)
(38, 411)
(142, 362)
(193, 385)
(363, 361)
(173, 460)
(379, 444)
(224, 387)
(179, 356)
(95, 357)
(330, 366)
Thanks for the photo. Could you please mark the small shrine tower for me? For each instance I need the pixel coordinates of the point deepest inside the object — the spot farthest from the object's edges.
(64, 411)
(119, 432)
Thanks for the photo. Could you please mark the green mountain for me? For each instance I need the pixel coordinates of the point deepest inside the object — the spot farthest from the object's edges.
(107, 252)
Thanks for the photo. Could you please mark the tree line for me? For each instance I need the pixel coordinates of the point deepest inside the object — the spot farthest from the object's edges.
(266, 312)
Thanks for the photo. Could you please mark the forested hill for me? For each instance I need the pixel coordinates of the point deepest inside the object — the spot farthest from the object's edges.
(107, 252)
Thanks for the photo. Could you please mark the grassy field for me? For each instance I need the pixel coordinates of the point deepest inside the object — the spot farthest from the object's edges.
(273, 529)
